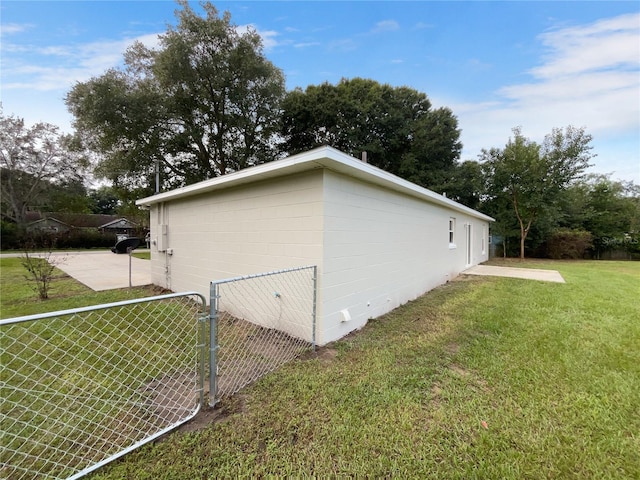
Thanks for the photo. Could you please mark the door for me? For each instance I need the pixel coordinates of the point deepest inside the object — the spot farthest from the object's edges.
(468, 243)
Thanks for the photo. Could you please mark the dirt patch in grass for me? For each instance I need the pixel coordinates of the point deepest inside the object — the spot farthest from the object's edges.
(270, 343)
(205, 417)
(228, 405)
(326, 355)
(172, 397)
(164, 395)
(474, 380)
(436, 390)
(224, 409)
(452, 348)
(462, 278)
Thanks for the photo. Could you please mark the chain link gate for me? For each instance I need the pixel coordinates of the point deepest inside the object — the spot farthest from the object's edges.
(83, 387)
(258, 323)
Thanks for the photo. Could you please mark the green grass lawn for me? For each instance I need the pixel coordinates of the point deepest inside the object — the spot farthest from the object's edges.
(481, 378)
(489, 378)
(142, 255)
(18, 297)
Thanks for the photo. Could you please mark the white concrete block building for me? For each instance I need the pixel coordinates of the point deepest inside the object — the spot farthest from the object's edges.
(378, 240)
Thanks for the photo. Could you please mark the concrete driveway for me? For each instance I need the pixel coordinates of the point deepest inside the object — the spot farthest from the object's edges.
(513, 272)
(103, 270)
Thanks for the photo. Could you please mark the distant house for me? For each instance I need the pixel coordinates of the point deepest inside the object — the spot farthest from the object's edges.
(48, 225)
(378, 240)
(120, 226)
(66, 222)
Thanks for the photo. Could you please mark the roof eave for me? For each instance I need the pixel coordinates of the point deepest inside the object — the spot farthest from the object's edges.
(322, 157)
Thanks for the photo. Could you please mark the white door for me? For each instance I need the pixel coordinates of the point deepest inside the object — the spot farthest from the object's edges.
(468, 243)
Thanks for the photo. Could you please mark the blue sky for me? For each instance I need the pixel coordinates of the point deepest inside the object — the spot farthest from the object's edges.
(496, 64)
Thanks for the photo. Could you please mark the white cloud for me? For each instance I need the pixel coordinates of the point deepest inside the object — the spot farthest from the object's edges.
(269, 37)
(13, 28)
(423, 26)
(386, 26)
(306, 44)
(604, 44)
(478, 65)
(343, 45)
(589, 77)
(60, 66)
(269, 40)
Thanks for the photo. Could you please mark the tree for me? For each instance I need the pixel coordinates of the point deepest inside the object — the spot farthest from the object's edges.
(31, 159)
(67, 196)
(41, 268)
(465, 184)
(397, 127)
(533, 176)
(608, 209)
(206, 103)
(104, 201)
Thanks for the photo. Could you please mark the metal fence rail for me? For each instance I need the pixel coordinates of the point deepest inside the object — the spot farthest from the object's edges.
(82, 387)
(258, 323)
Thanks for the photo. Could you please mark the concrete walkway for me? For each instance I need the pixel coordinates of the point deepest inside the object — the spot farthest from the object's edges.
(103, 270)
(512, 272)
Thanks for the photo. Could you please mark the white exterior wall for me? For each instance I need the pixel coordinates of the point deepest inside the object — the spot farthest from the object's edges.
(257, 228)
(382, 249)
(375, 248)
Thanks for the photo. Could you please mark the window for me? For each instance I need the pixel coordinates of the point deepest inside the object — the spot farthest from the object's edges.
(452, 232)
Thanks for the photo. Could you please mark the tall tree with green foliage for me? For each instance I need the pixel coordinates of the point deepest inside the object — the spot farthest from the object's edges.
(397, 127)
(205, 103)
(532, 177)
(465, 184)
(104, 200)
(67, 195)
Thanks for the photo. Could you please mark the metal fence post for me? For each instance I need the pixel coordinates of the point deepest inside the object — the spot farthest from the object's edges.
(202, 349)
(313, 313)
(213, 344)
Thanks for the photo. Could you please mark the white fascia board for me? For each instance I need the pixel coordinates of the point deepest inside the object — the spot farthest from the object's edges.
(293, 164)
(368, 173)
(322, 157)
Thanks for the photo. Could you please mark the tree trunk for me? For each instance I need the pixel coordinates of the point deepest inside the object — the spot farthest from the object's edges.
(524, 231)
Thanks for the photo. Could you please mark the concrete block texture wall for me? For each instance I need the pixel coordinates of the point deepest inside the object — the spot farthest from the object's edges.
(382, 249)
(375, 248)
(264, 226)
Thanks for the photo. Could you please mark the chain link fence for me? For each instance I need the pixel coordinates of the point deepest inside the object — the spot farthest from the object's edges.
(82, 387)
(258, 323)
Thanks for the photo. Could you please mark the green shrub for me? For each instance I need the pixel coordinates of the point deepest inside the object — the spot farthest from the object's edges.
(9, 236)
(77, 239)
(14, 239)
(566, 243)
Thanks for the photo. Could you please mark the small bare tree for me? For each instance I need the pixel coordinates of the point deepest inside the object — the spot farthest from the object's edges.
(41, 267)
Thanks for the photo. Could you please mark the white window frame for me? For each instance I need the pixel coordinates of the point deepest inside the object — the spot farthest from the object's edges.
(452, 232)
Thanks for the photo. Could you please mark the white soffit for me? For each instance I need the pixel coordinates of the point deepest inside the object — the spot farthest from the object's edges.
(322, 157)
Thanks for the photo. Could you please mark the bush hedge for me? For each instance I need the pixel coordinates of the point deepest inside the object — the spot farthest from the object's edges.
(14, 239)
(566, 243)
